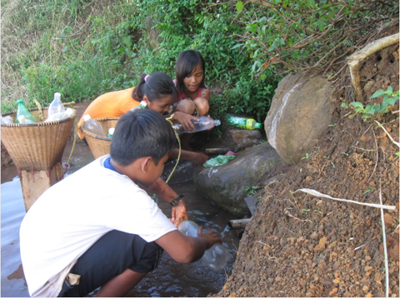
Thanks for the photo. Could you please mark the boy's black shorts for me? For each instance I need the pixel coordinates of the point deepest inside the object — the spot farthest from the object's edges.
(111, 255)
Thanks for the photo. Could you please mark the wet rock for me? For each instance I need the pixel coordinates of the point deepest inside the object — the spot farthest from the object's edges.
(245, 138)
(226, 185)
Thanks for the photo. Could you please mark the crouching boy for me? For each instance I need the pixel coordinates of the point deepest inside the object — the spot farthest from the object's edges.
(98, 227)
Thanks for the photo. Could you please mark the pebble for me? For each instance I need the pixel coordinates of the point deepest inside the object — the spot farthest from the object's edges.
(333, 292)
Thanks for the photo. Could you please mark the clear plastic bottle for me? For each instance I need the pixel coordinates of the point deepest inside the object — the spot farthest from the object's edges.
(93, 126)
(59, 116)
(243, 122)
(111, 132)
(204, 123)
(7, 120)
(23, 120)
(55, 107)
(22, 110)
(215, 257)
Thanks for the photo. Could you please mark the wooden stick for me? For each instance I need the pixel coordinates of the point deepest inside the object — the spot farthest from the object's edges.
(354, 61)
(321, 195)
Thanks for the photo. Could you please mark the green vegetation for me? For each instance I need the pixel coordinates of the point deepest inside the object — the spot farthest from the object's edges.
(251, 190)
(84, 48)
(374, 111)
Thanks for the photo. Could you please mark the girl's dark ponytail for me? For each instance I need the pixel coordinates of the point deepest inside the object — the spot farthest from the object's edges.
(137, 92)
(155, 86)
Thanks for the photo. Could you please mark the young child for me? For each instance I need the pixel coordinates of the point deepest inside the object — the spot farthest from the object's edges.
(190, 70)
(193, 98)
(158, 92)
(98, 227)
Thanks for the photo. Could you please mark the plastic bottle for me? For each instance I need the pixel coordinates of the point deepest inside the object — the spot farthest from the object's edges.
(7, 120)
(215, 257)
(111, 132)
(93, 126)
(23, 120)
(243, 122)
(59, 116)
(56, 106)
(204, 123)
(22, 110)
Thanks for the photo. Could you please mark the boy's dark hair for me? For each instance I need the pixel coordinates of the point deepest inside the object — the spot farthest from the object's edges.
(155, 87)
(141, 133)
(185, 63)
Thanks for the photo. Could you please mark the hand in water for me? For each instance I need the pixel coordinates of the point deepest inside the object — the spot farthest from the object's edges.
(179, 213)
(200, 158)
(210, 236)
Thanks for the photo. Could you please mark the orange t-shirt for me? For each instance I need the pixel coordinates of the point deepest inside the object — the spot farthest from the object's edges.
(109, 105)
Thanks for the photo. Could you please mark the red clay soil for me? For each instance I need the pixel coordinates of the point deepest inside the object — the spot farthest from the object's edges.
(301, 245)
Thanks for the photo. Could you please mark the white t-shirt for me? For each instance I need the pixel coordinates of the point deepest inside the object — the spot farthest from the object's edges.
(73, 214)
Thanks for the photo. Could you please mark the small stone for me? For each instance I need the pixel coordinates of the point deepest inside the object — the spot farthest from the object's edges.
(389, 220)
(333, 292)
(336, 281)
(321, 244)
(368, 268)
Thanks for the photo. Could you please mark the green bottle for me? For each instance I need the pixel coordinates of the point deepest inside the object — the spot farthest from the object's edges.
(22, 110)
(242, 122)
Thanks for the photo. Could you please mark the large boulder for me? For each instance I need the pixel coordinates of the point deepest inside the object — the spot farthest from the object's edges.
(226, 185)
(299, 114)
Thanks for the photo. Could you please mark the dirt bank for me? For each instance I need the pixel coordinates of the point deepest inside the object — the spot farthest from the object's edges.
(301, 245)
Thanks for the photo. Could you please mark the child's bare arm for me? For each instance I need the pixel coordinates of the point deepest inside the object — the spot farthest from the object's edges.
(163, 190)
(198, 157)
(186, 249)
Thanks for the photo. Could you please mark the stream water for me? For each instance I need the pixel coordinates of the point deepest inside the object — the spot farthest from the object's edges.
(170, 279)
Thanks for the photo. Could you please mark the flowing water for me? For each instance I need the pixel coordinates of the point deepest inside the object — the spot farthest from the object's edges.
(170, 279)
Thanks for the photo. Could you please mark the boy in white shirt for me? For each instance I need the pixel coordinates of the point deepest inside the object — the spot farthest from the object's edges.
(98, 227)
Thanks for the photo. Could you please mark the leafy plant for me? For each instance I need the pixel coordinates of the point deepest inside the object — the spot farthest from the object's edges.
(374, 111)
(251, 190)
(286, 36)
(308, 155)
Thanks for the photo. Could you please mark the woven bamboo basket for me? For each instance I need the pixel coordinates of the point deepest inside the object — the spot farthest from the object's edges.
(100, 145)
(37, 146)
